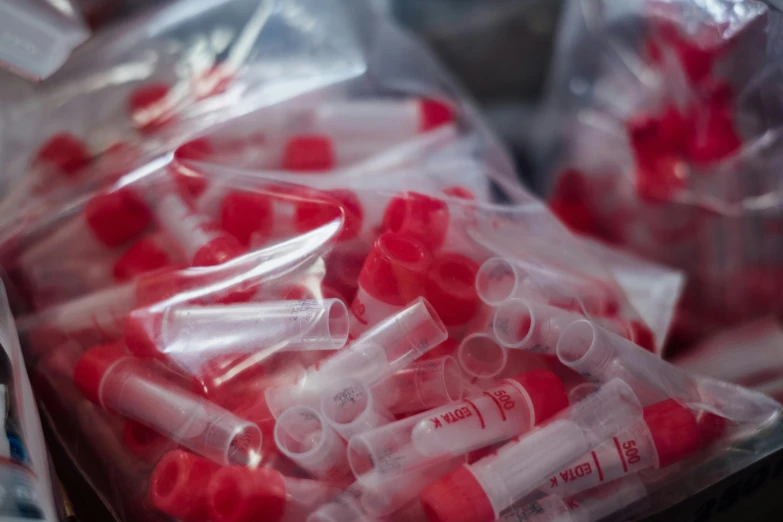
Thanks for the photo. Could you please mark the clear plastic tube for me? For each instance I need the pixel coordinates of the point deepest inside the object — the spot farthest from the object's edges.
(421, 386)
(350, 408)
(198, 333)
(122, 384)
(381, 352)
(531, 326)
(481, 356)
(302, 435)
(518, 468)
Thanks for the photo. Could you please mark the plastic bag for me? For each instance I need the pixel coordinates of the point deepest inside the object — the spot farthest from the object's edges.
(661, 135)
(268, 299)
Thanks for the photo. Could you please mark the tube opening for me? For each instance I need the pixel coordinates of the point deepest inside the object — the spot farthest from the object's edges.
(496, 281)
(338, 323)
(481, 356)
(403, 249)
(300, 432)
(575, 343)
(513, 323)
(452, 379)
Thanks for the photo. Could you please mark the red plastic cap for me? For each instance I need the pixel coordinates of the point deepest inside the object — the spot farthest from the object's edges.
(396, 269)
(711, 426)
(547, 393)
(245, 214)
(66, 152)
(195, 150)
(190, 184)
(116, 217)
(458, 191)
(643, 336)
(457, 497)
(150, 107)
(142, 334)
(451, 288)
(144, 256)
(142, 441)
(320, 209)
(308, 154)
(433, 114)
(93, 365)
(238, 494)
(674, 430)
(423, 217)
(218, 251)
(178, 486)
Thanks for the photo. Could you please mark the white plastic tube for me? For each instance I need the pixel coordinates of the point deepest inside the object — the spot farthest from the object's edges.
(532, 326)
(350, 408)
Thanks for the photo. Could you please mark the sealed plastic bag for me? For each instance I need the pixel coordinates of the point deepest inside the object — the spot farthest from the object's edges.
(661, 135)
(280, 271)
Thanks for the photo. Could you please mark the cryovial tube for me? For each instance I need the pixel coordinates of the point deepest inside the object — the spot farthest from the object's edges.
(202, 242)
(350, 408)
(393, 274)
(363, 118)
(178, 486)
(238, 494)
(600, 355)
(513, 407)
(119, 383)
(590, 506)
(204, 332)
(421, 386)
(667, 434)
(107, 221)
(302, 435)
(528, 325)
(489, 486)
(500, 279)
(381, 352)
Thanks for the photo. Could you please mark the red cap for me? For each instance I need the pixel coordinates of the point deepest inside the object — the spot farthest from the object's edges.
(142, 331)
(150, 106)
(93, 365)
(433, 114)
(674, 430)
(546, 391)
(321, 209)
(395, 270)
(196, 149)
(423, 217)
(308, 154)
(643, 336)
(458, 191)
(711, 426)
(142, 441)
(451, 288)
(144, 256)
(244, 213)
(189, 183)
(218, 251)
(239, 494)
(66, 152)
(116, 217)
(178, 486)
(457, 497)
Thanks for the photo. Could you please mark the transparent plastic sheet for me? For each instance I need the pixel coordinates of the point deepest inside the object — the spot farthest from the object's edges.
(661, 134)
(218, 309)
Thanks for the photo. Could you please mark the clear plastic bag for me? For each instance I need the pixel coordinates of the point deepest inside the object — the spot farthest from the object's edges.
(265, 299)
(661, 135)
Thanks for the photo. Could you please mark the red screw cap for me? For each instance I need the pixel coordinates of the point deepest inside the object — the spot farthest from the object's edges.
(145, 255)
(66, 152)
(238, 494)
(422, 217)
(674, 430)
(178, 486)
(332, 205)
(244, 214)
(546, 391)
(395, 270)
(92, 367)
(116, 217)
(457, 497)
(150, 107)
(142, 441)
(220, 250)
(309, 154)
(433, 114)
(451, 288)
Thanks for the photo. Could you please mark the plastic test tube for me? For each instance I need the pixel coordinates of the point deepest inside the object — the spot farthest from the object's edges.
(320, 152)
(119, 383)
(481, 491)
(379, 353)
(421, 386)
(350, 408)
(600, 355)
(362, 118)
(203, 332)
(239, 494)
(393, 274)
(529, 325)
(201, 241)
(590, 506)
(667, 434)
(500, 279)
(302, 435)
(513, 407)
(479, 353)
